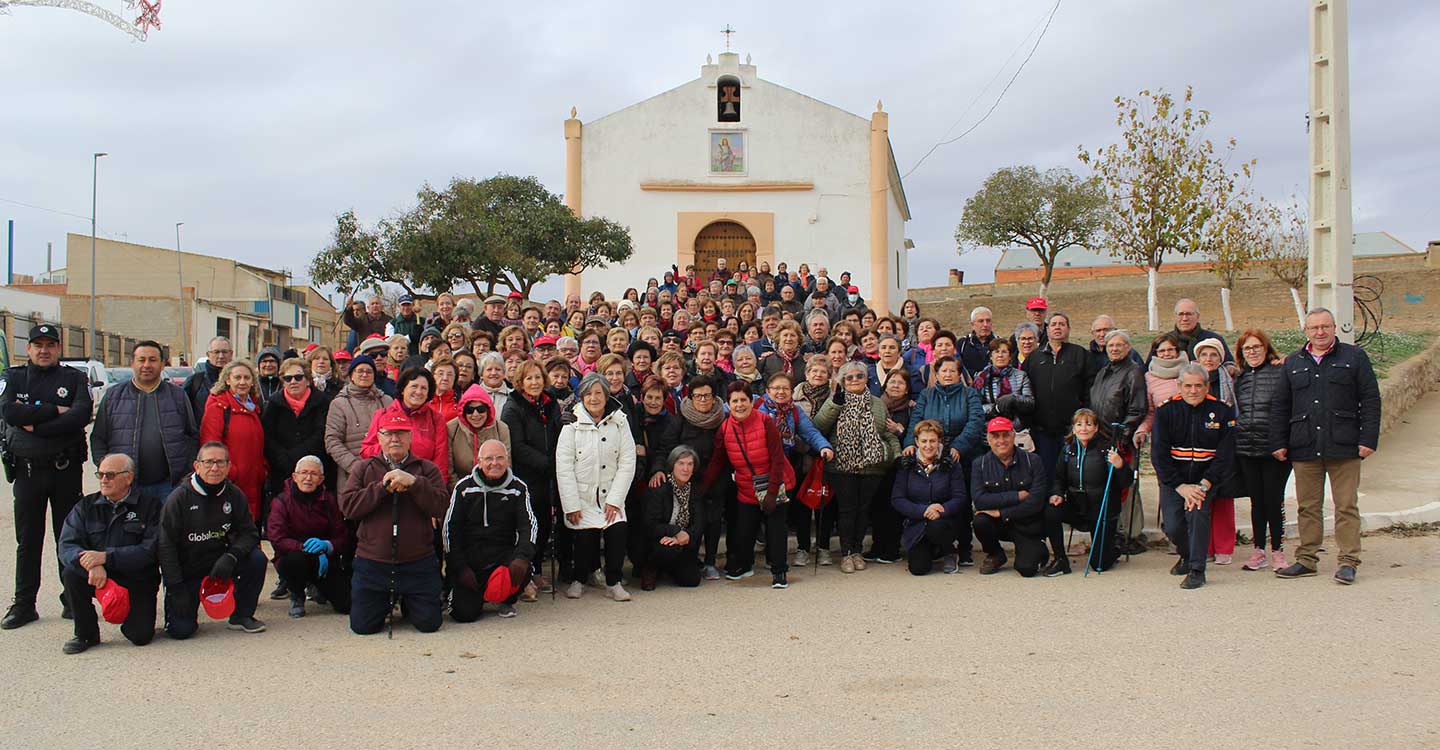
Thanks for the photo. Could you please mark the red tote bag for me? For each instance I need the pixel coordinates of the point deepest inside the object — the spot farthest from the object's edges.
(814, 492)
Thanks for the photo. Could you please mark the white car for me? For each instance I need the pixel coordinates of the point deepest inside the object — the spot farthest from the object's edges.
(94, 372)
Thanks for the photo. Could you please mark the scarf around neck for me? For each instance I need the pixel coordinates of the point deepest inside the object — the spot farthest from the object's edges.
(703, 420)
(1168, 369)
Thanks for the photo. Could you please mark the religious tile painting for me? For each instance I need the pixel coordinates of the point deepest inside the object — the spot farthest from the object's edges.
(727, 152)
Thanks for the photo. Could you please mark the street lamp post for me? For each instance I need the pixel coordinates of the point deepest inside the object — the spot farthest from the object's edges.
(180, 290)
(94, 192)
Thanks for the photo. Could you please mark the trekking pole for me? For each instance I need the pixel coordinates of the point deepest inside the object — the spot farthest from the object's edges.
(1098, 538)
(394, 564)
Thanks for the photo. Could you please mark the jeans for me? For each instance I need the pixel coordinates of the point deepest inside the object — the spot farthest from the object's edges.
(139, 625)
(748, 519)
(417, 586)
(182, 603)
(1188, 530)
(587, 551)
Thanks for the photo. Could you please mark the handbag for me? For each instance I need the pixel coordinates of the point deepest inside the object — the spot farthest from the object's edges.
(814, 492)
(760, 482)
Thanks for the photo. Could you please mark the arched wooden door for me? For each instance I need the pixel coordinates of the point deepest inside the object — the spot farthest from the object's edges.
(723, 239)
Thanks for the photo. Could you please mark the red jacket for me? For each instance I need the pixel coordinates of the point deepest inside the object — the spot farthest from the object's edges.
(447, 406)
(292, 520)
(243, 434)
(756, 439)
(428, 440)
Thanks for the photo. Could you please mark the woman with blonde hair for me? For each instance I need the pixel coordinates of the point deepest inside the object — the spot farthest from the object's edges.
(232, 417)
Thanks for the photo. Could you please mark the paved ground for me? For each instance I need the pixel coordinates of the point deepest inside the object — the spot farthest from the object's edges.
(874, 660)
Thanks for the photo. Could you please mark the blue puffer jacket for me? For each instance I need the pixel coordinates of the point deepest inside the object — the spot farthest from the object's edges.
(915, 490)
(957, 409)
(795, 429)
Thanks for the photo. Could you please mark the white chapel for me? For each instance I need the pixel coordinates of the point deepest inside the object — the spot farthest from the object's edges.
(730, 165)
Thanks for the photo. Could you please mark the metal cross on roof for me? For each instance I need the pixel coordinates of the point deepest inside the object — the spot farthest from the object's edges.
(728, 32)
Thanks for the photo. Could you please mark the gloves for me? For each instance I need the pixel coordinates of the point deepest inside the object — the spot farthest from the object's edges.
(1005, 405)
(839, 397)
(315, 546)
(519, 569)
(467, 579)
(224, 568)
(324, 565)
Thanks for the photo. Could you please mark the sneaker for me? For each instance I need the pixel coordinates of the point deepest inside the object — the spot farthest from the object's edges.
(859, 561)
(1193, 580)
(1060, 566)
(992, 564)
(530, 594)
(507, 610)
(870, 556)
(951, 564)
(247, 624)
(575, 590)
(543, 585)
(618, 593)
(1277, 559)
(282, 590)
(297, 605)
(966, 562)
(1180, 568)
(824, 557)
(314, 594)
(78, 645)
(1295, 570)
(1345, 575)
(19, 615)
(802, 558)
(847, 564)
(597, 579)
(711, 573)
(779, 581)
(887, 559)
(742, 574)
(1224, 559)
(1257, 560)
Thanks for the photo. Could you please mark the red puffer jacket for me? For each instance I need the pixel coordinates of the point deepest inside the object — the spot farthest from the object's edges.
(239, 428)
(428, 439)
(754, 438)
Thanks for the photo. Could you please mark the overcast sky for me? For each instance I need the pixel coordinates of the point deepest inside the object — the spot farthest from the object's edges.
(256, 122)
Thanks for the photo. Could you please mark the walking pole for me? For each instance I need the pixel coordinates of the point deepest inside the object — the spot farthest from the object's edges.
(1098, 539)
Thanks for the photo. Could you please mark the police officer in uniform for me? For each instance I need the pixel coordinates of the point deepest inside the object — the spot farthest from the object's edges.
(46, 407)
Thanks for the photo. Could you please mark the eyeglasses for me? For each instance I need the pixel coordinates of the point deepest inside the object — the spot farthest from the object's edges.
(293, 378)
(211, 463)
(1252, 348)
(106, 476)
(311, 474)
(701, 396)
(855, 376)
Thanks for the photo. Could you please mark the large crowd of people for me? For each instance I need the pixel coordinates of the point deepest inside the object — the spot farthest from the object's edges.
(448, 461)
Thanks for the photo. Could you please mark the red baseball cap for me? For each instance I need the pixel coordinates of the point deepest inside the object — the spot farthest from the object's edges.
(499, 588)
(394, 420)
(515, 295)
(999, 424)
(545, 341)
(343, 356)
(311, 347)
(114, 601)
(852, 289)
(1037, 303)
(217, 596)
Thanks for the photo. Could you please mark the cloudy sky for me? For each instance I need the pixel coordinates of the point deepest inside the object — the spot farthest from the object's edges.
(256, 122)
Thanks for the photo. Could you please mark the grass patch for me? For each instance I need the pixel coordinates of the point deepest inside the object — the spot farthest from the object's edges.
(1409, 529)
(1385, 349)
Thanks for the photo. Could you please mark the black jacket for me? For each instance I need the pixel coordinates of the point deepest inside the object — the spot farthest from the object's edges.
(1330, 409)
(701, 440)
(30, 395)
(660, 508)
(489, 524)
(995, 486)
(197, 527)
(1189, 340)
(1190, 443)
(1255, 392)
(974, 353)
(655, 433)
(128, 532)
(534, 432)
(289, 438)
(197, 387)
(1061, 384)
(1119, 395)
(1081, 474)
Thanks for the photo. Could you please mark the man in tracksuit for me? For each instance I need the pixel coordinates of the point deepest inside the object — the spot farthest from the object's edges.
(394, 497)
(1192, 448)
(112, 535)
(206, 531)
(46, 407)
(490, 525)
(1008, 489)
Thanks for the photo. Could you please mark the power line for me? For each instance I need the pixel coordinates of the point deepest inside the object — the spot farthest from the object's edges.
(996, 104)
(42, 208)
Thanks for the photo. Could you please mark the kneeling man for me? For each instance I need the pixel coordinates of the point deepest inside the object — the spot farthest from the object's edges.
(1008, 490)
(489, 536)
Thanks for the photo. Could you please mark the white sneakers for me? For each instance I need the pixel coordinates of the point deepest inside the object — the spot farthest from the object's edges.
(618, 593)
(575, 590)
(802, 558)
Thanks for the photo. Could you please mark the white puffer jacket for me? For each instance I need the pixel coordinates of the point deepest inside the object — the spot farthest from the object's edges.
(594, 465)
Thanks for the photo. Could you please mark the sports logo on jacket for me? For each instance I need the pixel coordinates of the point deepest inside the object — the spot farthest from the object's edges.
(226, 507)
(62, 391)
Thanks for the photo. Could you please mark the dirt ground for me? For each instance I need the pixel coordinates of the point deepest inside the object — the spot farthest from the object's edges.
(878, 659)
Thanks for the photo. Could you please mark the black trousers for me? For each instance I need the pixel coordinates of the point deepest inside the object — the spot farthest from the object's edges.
(587, 551)
(1264, 480)
(416, 583)
(1028, 535)
(938, 539)
(301, 569)
(466, 605)
(682, 563)
(638, 547)
(1085, 518)
(885, 521)
(38, 484)
(1188, 530)
(716, 502)
(748, 520)
(852, 494)
(139, 625)
(182, 603)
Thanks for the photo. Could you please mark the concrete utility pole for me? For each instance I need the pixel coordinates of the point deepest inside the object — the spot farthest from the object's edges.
(94, 193)
(180, 290)
(1332, 235)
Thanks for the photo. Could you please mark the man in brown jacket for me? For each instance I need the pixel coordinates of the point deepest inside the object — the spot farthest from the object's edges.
(394, 498)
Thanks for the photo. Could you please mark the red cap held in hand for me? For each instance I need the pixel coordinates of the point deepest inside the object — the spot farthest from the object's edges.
(217, 596)
(114, 601)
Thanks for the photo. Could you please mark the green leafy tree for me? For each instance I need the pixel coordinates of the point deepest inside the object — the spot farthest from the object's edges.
(1162, 181)
(1235, 240)
(357, 256)
(1047, 212)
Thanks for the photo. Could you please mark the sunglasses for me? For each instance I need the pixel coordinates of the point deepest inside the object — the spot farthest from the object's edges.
(475, 408)
(293, 378)
(108, 475)
(856, 376)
